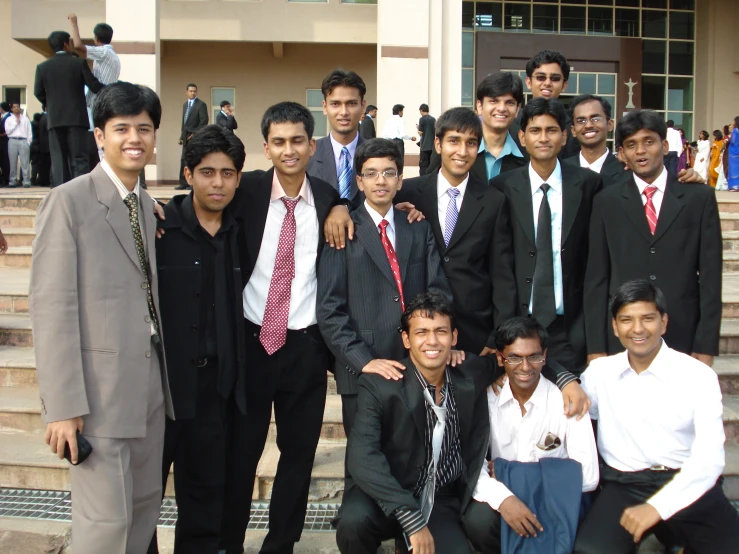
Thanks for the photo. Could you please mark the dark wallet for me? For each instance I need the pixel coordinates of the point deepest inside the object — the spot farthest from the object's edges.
(84, 449)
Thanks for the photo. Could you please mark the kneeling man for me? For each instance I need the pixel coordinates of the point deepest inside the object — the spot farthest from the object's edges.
(527, 425)
(661, 437)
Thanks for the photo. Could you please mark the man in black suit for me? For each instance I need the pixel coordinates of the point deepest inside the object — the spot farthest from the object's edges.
(654, 227)
(226, 118)
(60, 86)
(194, 117)
(427, 133)
(363, 288)
(471, 224)
(343, 103)
(499, 98)
(281, 213)
(550, 205)
(44, 170)
(367, 127)
(4, 158)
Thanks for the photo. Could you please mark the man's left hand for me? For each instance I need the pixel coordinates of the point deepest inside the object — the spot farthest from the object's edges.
(487, 351)
(689, 175)
(639, 519)
(575, 400)
(456, 357)
(705, 358)
(337, 226)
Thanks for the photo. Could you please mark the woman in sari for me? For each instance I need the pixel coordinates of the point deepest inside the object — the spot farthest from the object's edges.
(716, 150)
(682, 161)
(702, 155)
(733, 162)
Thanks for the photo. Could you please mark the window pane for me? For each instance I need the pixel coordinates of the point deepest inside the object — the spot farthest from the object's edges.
(682, 4)
(522, 74)
(576, 2)
(518, 18)
(321, 129)
(606, 84)
(612, 101)
(653, 93)
(316, 1)
(219, 94)
(628, 3)
(468, 49)
(468, 87)
(681, 58)
(682, 25)
(545, 19)
(654, 3)
(627, 23)
(600, 21)
(680, 94)
(600, 2)
(468, 15)
(489, 17)
(653, 56)
(572, 20)
(314, 98)
(587, 83)
(359, 1)
(653, 24)
(682, 121)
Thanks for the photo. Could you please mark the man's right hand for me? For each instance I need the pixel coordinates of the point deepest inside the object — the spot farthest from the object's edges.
(59, 433)
(422, 542)
(72, 18)
(387, 368)
(519, 517)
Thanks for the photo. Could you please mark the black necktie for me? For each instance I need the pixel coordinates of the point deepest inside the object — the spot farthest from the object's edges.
(544, 307)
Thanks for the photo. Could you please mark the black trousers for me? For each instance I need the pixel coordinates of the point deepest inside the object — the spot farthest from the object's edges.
(482, 526)
(708, 526)
(44, 170)
(294, 380)
(671, 161)
(424, 161)
(401, 146)
(361, 525)
(562, 350)
(348, 411)
(197, 447)
(68, 148)
(4, 161)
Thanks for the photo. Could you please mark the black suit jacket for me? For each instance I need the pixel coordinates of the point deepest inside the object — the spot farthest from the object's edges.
(612, 172)
(367, 129)
(579, 186)
(479, 259)
(196, 119)
(60, 85)
(323, 166)
(227, 121)
(358, 304)
(684, 258)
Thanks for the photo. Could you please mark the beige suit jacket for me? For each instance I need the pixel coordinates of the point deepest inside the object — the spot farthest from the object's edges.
(89, 308)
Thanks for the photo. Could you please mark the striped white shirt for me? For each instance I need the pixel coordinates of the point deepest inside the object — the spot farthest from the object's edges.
(106, 67)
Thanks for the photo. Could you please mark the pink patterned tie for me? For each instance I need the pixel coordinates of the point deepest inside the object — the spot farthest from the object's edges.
(393, 259)
(649, 208)
(274, 323)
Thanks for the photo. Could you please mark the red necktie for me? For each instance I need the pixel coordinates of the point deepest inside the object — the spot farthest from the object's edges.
(649, 208)
(393, 259)
(274, 323)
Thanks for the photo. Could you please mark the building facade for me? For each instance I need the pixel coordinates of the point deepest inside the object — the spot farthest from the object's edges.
(680, 57)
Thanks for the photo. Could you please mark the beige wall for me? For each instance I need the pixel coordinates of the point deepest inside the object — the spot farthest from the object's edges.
(260, 80)
(38, 18)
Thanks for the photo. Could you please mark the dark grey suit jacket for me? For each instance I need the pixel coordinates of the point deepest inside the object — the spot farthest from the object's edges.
(196, 119)
(612, 172)
(323, 166)
(367, 129)
(227, 121)
(358, 305)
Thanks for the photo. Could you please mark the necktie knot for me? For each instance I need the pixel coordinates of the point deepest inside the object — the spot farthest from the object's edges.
(131, 201)
(453, 192)
(290, 204)
(545, 188)
(383, 225)
(650, 191)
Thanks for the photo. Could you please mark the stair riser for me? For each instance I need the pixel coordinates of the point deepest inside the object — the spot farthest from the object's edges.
(26, 203)
(730, 224)
(728, 207)
(27, 221)
(15, 260)
(731, 245)
(728, 345)
(16, 337)
(731, 429)
(18, 377)
(19, 304)
(17, 240)
(22, 421)
(321, 489)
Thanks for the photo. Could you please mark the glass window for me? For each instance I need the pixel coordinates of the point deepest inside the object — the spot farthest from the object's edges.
(314, 98)
(576, 2)
(612, 101)
(315, 1)
(681, 58)
(314, 102)
(680, 94)
(654, 3)
(628, 3)
(518, 18)
(359, 1)
(587, 83)
(218, 95)
(572, 20)
(682, 4)
(468, 87)
(606, 84)
(468, 49)
(682, 25)
(627, 23)
(545, 19)
(468, 15)
(600, 2)
(682, 121)
(654, 24)
(653, 93)
(654, 53)
(600, 21)
(489, 17)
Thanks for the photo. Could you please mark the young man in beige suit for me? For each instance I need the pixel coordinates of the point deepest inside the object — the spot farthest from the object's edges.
(94, 309)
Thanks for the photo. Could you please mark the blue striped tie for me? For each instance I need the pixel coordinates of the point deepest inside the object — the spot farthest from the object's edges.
(187, 111)
(345, 174)
(451, 214)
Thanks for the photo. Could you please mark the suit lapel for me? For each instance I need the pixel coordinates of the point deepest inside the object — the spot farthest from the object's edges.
(571, 197)
(464, 396)
(369, 236)
(150, 225)
(634, 209)
(323, 203)
(429, 205)
(413, 398)
(479, 169)
(253, 212)
(471, 207)
(671, 205)
(522, 204)
(325, 157)
(403, 242)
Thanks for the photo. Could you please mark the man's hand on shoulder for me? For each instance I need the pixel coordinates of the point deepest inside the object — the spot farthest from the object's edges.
(456, 357)
(338, 226)
(522, 520)
(705, 358)
(413, 213)
(59, 433)
(690, 175)
(422, 542)
(639, 519)
(389, 369)
(576, 402)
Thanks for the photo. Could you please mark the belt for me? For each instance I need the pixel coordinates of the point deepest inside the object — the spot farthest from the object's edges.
(202, 362)
(660, 468)
(17, 138)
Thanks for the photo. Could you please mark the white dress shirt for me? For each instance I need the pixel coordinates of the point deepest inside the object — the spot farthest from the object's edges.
(337, 147)
(303, 289)
(18, 128)
(515, 437)
(660, 183)
(395, 129)
(377, 218)
(106, 67)
(596, 166)
(442, 186)
(674, 140)
(555, 204)
(669, 415)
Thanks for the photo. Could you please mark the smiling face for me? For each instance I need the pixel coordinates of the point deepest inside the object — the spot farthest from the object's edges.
(378, 189)
(344, 107)
(429, 340)
(213, 181)
(590, 126)
(644, 153)
(498, 113)
(127, 142)
(524, 376)
(289, 148)
(543, 138)
(547, 81)
(639, 326)
(458, 151)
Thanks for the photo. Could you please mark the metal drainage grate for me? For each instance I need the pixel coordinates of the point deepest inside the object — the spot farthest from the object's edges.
(57, 506)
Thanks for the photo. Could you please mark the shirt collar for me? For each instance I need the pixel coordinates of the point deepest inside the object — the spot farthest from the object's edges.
(659, 366)
(660, 182)
(538, 398)
(554, 180)
(191, 218)
(377, 218)
(597, 165)
(122, 190)
(224, 113)
(352, 146)
(278, 192)
(510, 147)
(442, 185)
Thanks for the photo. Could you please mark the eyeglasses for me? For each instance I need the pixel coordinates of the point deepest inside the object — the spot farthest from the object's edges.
(517, 360)
(595, 120)
(388, 174)
(554, 78)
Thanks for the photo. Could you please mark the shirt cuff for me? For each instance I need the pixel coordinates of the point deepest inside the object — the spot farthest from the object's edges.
(564, 379)
(412, 521)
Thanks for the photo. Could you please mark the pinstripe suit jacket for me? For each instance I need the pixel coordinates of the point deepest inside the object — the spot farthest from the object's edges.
(358, 304)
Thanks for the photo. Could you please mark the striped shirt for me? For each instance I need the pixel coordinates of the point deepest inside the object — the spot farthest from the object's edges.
(106, 67)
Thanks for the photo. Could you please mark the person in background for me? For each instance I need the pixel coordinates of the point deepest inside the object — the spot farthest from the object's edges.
(425, 128)
(675, 147)
(702, 156)
(367, 128)
(395, 129)
(226, 118)
(18, 130)
(684, 158)
(717, 148)
(35, 149)
(194, 117)
(44, 170)
(733, 157)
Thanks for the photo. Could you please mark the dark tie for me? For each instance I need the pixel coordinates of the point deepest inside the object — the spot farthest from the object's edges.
(187, 111)
(132, 202)
(544, 306)
(393, 259)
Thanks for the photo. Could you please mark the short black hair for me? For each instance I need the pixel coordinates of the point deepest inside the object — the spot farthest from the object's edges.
(428, 304)
(670, 123)
(210, 139)
(424, 108)
(726, 130)
(225, 103)
(544, 106)
(397, 108)
(548, 56)
(57, 40)
(341, 78)
(15, 104)
(376, 148)
(458, 119)
(370, 108)
(638, 290)
(718, 135)
(5, 106)
(635, 121)
(605, 104)
(500, 84)
(36, 117)
(103, 32)
(191, 85)
(288, 112)
(520, 327)
(703, 134)
(125, 99)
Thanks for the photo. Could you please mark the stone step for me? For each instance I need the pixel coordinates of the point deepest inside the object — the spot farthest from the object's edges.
(15, 330)
(728, 202)
(727, 369)
(17, 367)
(729, 221)
(731, 241)
(16, 256)
(10, 219)
(729, 341)
(19, 236)
(731, 263)
(26, 199)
